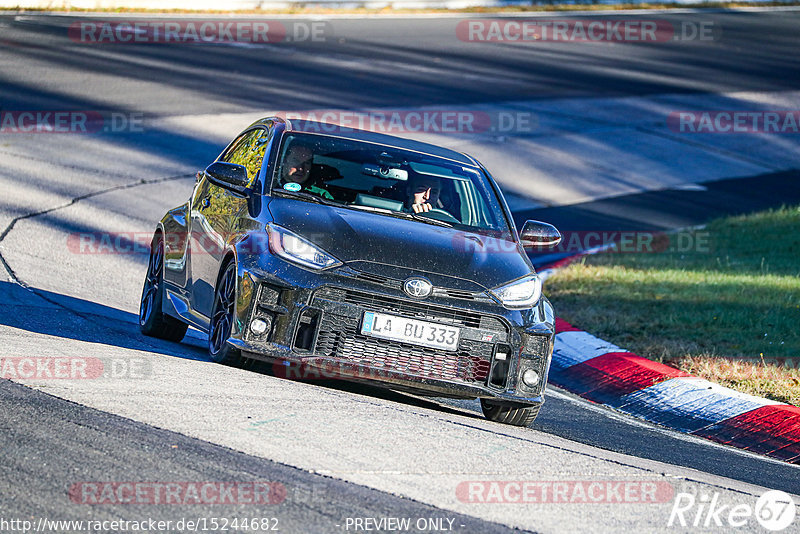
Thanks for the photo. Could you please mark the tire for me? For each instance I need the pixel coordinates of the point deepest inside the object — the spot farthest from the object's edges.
(152, 320)
(222, 319)
(510, 414)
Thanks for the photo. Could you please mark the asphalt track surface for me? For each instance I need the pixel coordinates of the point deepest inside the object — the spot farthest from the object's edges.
(379, 62)
(660, 211)
(341, 450)
(66, 431)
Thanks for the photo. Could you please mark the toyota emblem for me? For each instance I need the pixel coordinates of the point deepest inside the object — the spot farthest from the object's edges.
(419, 288)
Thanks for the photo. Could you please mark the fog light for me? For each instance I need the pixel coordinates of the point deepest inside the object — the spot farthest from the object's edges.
(531, 378)
(258, 326)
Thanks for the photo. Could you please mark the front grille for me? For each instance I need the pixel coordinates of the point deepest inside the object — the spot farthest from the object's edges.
(416, 310)
(455, 293)
(392, 283)
(461, 295)
(339, 338)
(380, 280)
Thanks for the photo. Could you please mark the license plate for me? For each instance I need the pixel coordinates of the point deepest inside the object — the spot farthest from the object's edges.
(423, 333)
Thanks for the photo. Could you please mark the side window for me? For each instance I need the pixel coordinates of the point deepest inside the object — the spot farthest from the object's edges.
(248, 150)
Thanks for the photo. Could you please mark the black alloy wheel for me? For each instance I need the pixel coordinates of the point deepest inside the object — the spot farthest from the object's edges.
(152, 320)
(222, 319)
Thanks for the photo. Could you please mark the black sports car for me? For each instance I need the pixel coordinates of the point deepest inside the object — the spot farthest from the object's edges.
(365, 255)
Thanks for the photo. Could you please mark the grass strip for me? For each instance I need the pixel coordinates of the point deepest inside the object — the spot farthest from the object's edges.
(722, 302)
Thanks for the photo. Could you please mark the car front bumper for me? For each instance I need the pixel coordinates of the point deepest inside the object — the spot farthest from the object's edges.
(314, 321)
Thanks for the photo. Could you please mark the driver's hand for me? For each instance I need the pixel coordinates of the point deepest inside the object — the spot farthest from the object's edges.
(419, 208)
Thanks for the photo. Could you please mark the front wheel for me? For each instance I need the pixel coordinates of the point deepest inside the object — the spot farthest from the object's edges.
(510, 414)
(222, 319)
(152, 320)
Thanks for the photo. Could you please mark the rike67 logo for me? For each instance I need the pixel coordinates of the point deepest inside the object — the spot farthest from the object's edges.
(774, 511)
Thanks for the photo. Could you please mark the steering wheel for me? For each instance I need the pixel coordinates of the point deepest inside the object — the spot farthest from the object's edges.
(439, 215)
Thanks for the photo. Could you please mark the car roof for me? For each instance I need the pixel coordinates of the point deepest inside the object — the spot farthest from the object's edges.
(346, 132)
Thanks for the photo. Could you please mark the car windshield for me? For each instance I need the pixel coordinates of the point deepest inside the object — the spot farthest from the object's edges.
(387, 181)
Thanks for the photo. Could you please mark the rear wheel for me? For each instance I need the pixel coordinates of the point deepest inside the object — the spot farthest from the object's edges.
(152, 320)
(222, 319)
(510, 414)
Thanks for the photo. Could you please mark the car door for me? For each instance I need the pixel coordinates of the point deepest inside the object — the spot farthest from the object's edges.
(215, 214)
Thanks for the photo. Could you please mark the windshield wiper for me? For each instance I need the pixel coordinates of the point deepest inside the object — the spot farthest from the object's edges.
(401, 215)
(420, 217)
(302, 195)
(371, 208)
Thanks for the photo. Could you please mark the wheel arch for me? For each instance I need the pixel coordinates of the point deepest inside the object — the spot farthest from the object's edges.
(230, 256)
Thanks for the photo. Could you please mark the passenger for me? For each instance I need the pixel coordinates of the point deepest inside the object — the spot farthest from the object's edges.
(296, 168)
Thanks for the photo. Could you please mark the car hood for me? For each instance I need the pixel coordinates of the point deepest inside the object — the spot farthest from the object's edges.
(399, 248)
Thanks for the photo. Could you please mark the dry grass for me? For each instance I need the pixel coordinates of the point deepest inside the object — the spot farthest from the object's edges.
(727, 313)
(775, 382)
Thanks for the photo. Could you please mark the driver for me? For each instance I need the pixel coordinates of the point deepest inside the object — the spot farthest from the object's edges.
(423, 193)
(297, 167)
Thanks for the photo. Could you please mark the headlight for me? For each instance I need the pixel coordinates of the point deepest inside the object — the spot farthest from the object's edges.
(522, 293)
(291, 247)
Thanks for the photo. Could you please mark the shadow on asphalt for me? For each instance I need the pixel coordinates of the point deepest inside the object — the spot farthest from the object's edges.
(368, 390)
(576, 419)
(52, 433)
(44, 312)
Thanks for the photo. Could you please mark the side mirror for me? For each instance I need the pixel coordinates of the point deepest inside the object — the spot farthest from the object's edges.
(229, 175)
(539, 234)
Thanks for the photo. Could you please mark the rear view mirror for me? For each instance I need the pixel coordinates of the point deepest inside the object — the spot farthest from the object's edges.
(539, 234)
(228, 175)
(387, 173)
